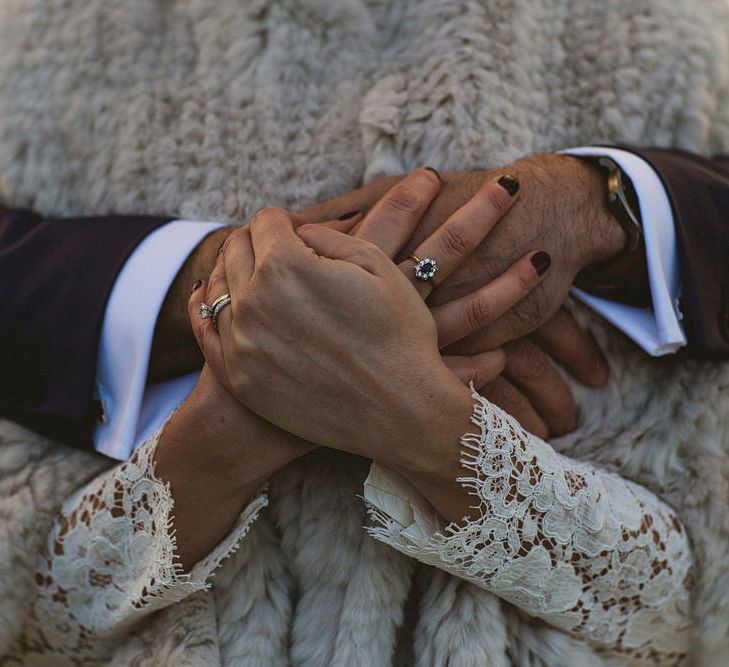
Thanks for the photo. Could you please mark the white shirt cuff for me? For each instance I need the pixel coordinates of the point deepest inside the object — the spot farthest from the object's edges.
(657, 331)
(133, 411)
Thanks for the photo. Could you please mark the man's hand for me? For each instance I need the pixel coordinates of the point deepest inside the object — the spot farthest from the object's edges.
(561, 209)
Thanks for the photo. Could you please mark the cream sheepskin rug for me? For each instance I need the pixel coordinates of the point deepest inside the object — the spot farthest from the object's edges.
(211, 110)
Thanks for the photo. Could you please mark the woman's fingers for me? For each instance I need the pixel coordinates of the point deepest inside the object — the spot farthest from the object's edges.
(512, 400)
(457, 319)
(335, 245)
(530, 370)
(576, 349)
(205, 334)
(462, 232)
(235, 265)
(273, 231)
(392, 220)
(479, 369)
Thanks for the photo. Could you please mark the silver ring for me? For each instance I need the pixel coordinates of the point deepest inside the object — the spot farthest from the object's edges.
(424, 269)
(218, 305)
(206, 312)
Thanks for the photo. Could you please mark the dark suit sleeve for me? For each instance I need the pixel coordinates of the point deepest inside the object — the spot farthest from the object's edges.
(698, 189)
(56, 276)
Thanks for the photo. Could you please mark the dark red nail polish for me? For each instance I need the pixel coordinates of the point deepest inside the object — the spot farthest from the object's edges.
(509, 183)
(436, 172)
(541, 262)
(196, 285)
(347, 216)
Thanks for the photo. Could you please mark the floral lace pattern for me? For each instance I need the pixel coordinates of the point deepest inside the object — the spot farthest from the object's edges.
(110, 561)
(583, 549)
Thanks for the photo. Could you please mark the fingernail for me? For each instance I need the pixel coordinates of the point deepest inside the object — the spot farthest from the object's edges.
(195, 285)
(509, 183)
(541, 262)
(436, 172)
(347, 216)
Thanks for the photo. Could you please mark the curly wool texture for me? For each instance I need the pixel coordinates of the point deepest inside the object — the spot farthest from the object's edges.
(213, 110)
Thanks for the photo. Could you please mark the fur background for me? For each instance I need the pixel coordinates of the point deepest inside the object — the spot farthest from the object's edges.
(211, 110)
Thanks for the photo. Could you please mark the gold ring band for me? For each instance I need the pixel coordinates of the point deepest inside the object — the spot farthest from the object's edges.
(415, 259)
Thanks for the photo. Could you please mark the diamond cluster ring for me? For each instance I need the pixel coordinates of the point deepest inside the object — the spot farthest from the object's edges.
(213, 312)
(425, 268)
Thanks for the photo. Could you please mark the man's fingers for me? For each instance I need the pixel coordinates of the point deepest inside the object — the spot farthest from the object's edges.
(361, 200)
(509, 398)
(393, 219)
(335, 245)
(479, 369)
(462, 232)
(462, 317)
(530, 370)
(575, 348)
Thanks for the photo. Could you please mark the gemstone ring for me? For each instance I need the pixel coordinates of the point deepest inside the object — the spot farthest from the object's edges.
(425, 268)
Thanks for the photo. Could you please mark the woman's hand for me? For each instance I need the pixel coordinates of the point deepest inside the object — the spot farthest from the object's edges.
(338, 347)
(216, 454)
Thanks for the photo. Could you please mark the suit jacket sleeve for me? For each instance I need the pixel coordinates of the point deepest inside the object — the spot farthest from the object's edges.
(698, 189)
(55, 279)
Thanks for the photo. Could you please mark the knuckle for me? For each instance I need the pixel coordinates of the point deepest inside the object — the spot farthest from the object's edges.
(496, 199)
(368, 252)
(478, 314)
(216, 286)
(454, 241)
(508, 397)
(530, 362)
(263, 214)
(403, 200)
(476, 376)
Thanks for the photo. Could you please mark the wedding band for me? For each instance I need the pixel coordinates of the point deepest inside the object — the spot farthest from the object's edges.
(425, 268)
(218, 305)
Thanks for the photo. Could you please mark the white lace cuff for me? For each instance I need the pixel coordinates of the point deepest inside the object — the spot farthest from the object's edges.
(585, 550)
(112, 559)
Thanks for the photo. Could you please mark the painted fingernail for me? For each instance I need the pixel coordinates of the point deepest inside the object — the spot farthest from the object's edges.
(541, 262)
(509, 183)
(196, 285)
(347, 216)
(436, 172)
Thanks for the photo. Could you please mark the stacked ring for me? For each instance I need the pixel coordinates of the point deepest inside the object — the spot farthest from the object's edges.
(213, 312)
(217, 307)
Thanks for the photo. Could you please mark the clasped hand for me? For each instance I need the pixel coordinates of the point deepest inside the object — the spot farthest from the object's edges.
(330, 340)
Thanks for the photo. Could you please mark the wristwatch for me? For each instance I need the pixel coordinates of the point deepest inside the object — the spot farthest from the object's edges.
(624, 277)
(622, 201)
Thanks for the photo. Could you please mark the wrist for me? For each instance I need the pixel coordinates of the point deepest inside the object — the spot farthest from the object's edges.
(602, 235)
(428, 445)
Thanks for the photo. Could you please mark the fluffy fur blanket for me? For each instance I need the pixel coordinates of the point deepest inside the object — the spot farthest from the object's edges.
(213, 109)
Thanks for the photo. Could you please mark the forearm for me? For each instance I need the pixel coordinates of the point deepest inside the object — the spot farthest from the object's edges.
(216, 456)
(583, 549)
(174, 350)
(112, 559)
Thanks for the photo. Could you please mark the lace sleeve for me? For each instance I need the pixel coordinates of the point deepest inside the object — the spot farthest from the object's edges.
(583, 549)
(111, 561)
